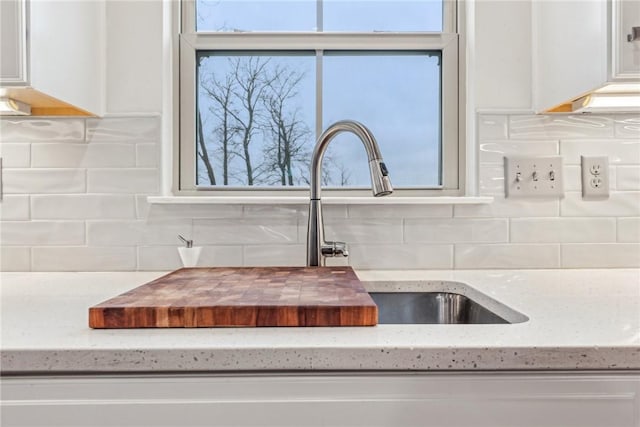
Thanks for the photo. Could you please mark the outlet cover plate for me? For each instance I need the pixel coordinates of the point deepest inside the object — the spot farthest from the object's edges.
(532, 177)
(595, 177)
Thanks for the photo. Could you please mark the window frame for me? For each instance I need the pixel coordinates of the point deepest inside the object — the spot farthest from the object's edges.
(449, 42)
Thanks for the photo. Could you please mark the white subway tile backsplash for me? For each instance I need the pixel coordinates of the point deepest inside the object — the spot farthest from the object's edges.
(361, 230)
(627, 126)
(35, 181)
(507, 256)
(123, 181)
(83, 206)
(243, 231)
(155, 258)
(132, 233)
(563, 230)
(629, 230)
(147, 155)
(493, 127)
(624, 152)
(134, 129)
(81, 258)
(275, 255)
(221, 256)
(455, 230)
(83, 155)
(560, 126)
(494, 152)
(501, 207)
(573, 178)
(286, 211)
(398, 256)
(14, 258)
(15, 155)
(14, 208)
(627, 178)
(40, 233)
(161, 211)
(408, 211)
(619, 203)
(492, 181)
(33, 130)
(601, 255)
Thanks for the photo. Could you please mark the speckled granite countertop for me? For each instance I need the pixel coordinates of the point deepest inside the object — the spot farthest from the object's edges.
(578, 319)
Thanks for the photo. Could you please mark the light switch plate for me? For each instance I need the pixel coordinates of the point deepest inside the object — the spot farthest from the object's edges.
(531, 177)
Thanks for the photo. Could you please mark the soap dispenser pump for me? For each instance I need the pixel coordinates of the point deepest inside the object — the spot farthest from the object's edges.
(189, 254)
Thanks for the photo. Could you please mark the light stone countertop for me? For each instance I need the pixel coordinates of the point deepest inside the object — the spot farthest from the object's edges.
(578, 319)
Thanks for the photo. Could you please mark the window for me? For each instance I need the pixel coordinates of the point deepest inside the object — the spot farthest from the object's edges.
(261, 79)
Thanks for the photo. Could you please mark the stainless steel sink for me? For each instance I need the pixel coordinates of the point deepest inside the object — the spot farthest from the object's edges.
(431, 307)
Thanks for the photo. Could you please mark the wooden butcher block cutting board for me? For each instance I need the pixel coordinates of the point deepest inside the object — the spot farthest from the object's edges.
(242, 296)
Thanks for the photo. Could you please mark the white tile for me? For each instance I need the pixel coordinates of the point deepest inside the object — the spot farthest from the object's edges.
(287, 211)
(123, 180)
(623, 152)
(132, 233)
(627, 126)
(506, 256)
(14, 208)
(15, 258)
(492, 180)
(147, 155)
(603, 255)
(83, 206)
(154, 258)
(275, 255)
(158, 258)
(628, 230)
(493, 127)
(221, 256)
(31, 130)
(83, 155)
(15, 155)
(81, 258)
(133, 129)
(494, 152)
(573, 178)
(407, 211)
(407, 256)
(142, 206)
(627, 178)
(619, 203)
(245, 231)
(34, 181)
(168, 211)
(456, 230)
(501, 207)
(362, 230)
(563, 230)
(560, 126)
(26, 233)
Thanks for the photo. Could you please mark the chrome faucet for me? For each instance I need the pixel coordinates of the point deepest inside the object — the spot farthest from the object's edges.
(381, 186)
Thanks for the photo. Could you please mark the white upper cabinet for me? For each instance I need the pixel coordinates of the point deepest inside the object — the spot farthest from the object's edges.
(581, 46)
(53, 55)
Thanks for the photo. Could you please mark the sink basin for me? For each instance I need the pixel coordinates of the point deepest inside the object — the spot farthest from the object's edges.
(431, 308)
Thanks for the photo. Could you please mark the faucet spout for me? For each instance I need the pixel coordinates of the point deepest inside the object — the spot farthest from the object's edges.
(317, 248)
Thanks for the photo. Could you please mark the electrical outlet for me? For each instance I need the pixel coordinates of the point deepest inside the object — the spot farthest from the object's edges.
(595, 177)
(533, 176)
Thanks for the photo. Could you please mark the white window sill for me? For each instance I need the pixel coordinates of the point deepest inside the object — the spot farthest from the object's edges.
(297, 200)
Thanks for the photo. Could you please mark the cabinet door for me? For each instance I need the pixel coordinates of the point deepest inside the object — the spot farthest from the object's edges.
(347, 400)
(13, 42)
(626, 54)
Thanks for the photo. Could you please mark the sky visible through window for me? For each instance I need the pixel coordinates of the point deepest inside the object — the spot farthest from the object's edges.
(257, 110)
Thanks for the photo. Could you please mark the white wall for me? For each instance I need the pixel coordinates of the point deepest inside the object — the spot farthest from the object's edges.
(76, 188)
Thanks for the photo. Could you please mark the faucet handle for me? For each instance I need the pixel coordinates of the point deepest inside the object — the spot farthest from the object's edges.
(333, 249)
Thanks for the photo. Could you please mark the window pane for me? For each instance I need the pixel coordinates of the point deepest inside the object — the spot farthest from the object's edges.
(256, 15)
(397, 96)
(382, 15)
(257, 112)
